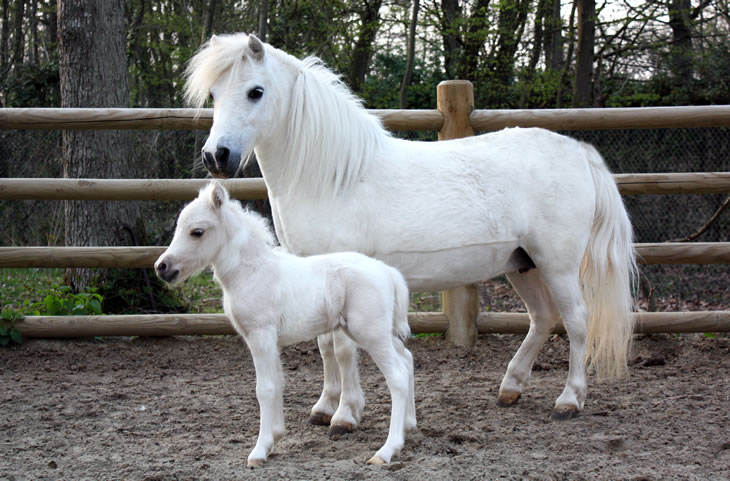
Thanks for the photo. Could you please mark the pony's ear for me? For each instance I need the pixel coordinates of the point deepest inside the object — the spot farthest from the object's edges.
(218, 195)
(257, 48)
(213, 40)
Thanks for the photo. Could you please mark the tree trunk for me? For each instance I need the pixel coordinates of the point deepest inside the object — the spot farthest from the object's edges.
(512, 18)
(681, 52)
(473, 41)
(209, 18)
(553, 36)
(4, 39)
(584, 56)
(568, 58)
(411, 56)
(450, 35)
(93, 73)
(18, 38)
(369, 25)
(263, 20)
(540, 14)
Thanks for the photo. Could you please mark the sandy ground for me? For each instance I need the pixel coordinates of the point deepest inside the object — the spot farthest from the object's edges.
(184, 408)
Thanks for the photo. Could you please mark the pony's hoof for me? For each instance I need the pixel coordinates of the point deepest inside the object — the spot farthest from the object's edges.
(256, 463)
(508, 399)
(339, 429)
(376, 460)
(319, 419)
(563, 412)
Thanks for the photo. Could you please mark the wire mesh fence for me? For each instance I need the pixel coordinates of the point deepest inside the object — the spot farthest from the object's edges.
(176, 154)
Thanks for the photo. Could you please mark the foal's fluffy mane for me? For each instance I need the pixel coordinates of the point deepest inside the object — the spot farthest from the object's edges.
(258, 226)
(331, 138)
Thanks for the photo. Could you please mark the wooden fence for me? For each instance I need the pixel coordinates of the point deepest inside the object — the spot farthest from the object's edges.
(455, 117)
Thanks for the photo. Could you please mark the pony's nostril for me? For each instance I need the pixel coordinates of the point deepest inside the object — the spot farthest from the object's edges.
(208, 159)
(161, 267)
(222, 154)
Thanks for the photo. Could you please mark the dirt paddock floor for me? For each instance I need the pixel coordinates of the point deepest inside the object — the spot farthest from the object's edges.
(185, 408)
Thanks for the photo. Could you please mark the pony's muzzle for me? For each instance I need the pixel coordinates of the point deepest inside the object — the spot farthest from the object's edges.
(165, 270)
(222, 163)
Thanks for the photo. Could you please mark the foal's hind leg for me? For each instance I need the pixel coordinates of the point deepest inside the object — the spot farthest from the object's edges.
(543, 316)
(342, 401)
(326, 405)
(352, 400)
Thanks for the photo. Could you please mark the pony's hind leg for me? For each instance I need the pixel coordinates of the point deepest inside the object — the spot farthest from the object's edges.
(352, 400)
(568, 297)
(543, 315)
(326, 405)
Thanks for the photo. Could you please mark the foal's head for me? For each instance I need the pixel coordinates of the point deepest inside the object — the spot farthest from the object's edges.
(211, 230)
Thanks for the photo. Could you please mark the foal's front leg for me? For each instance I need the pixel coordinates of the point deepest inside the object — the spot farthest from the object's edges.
(269, 392)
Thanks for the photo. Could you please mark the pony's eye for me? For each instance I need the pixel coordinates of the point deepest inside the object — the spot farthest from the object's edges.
(197, 233)
(256, 93)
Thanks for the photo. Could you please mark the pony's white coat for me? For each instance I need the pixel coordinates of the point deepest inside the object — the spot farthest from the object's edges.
(444, 213)
(274, 299)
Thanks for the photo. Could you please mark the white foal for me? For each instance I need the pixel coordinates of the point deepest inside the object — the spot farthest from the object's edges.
(276, 299)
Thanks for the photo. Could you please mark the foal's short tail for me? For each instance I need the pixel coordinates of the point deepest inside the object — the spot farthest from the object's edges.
(608, 276)
(401, 329)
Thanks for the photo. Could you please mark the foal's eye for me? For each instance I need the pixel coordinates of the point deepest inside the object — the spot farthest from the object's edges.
(197, 233)
(256, 93)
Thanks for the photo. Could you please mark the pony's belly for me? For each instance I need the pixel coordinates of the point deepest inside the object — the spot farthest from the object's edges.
(454, 267)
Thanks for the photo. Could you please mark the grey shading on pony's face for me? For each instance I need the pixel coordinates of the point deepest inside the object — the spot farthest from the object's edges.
(238, 112)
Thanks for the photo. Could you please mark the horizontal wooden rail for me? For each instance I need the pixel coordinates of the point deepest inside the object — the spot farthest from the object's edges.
(138, 257)
(420, 322)
(110, 257)
(683, 253)
(680, 183)
(186, 189)
(173, 119)
(604, 119)
(123, 189)
(396, 120)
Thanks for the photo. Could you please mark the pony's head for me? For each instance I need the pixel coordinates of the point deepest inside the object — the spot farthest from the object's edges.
(206, 228)
(238, 72)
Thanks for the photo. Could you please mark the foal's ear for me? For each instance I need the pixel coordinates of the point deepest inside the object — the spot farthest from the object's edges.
(218, 195)
(257, 48)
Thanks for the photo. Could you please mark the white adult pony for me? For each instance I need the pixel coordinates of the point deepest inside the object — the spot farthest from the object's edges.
(275, 299)
(445, 214)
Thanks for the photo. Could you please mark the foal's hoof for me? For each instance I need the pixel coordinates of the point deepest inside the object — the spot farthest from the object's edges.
(339, 429)
(256, 463)
(508, 399)
(563, 412)
(376, 460)
(320, 419)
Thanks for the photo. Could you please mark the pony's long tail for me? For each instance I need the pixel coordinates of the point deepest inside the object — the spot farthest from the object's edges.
(608, 276)
(401, 329)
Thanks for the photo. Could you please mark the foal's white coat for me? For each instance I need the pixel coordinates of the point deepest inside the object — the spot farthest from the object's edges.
(276, 299)
(444, 213)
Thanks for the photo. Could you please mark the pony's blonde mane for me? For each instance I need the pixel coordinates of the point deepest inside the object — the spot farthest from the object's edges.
(331, 138)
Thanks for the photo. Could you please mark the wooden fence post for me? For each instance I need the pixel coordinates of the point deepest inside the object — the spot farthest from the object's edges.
(455, 101)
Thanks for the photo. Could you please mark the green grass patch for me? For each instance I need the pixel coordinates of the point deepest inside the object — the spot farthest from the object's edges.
(24, 286)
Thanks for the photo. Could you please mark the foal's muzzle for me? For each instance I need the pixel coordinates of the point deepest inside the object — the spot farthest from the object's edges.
(166, 271)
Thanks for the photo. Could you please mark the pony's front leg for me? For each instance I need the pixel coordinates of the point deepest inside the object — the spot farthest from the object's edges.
(269, 392)
(325, 407)
(352, 400)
